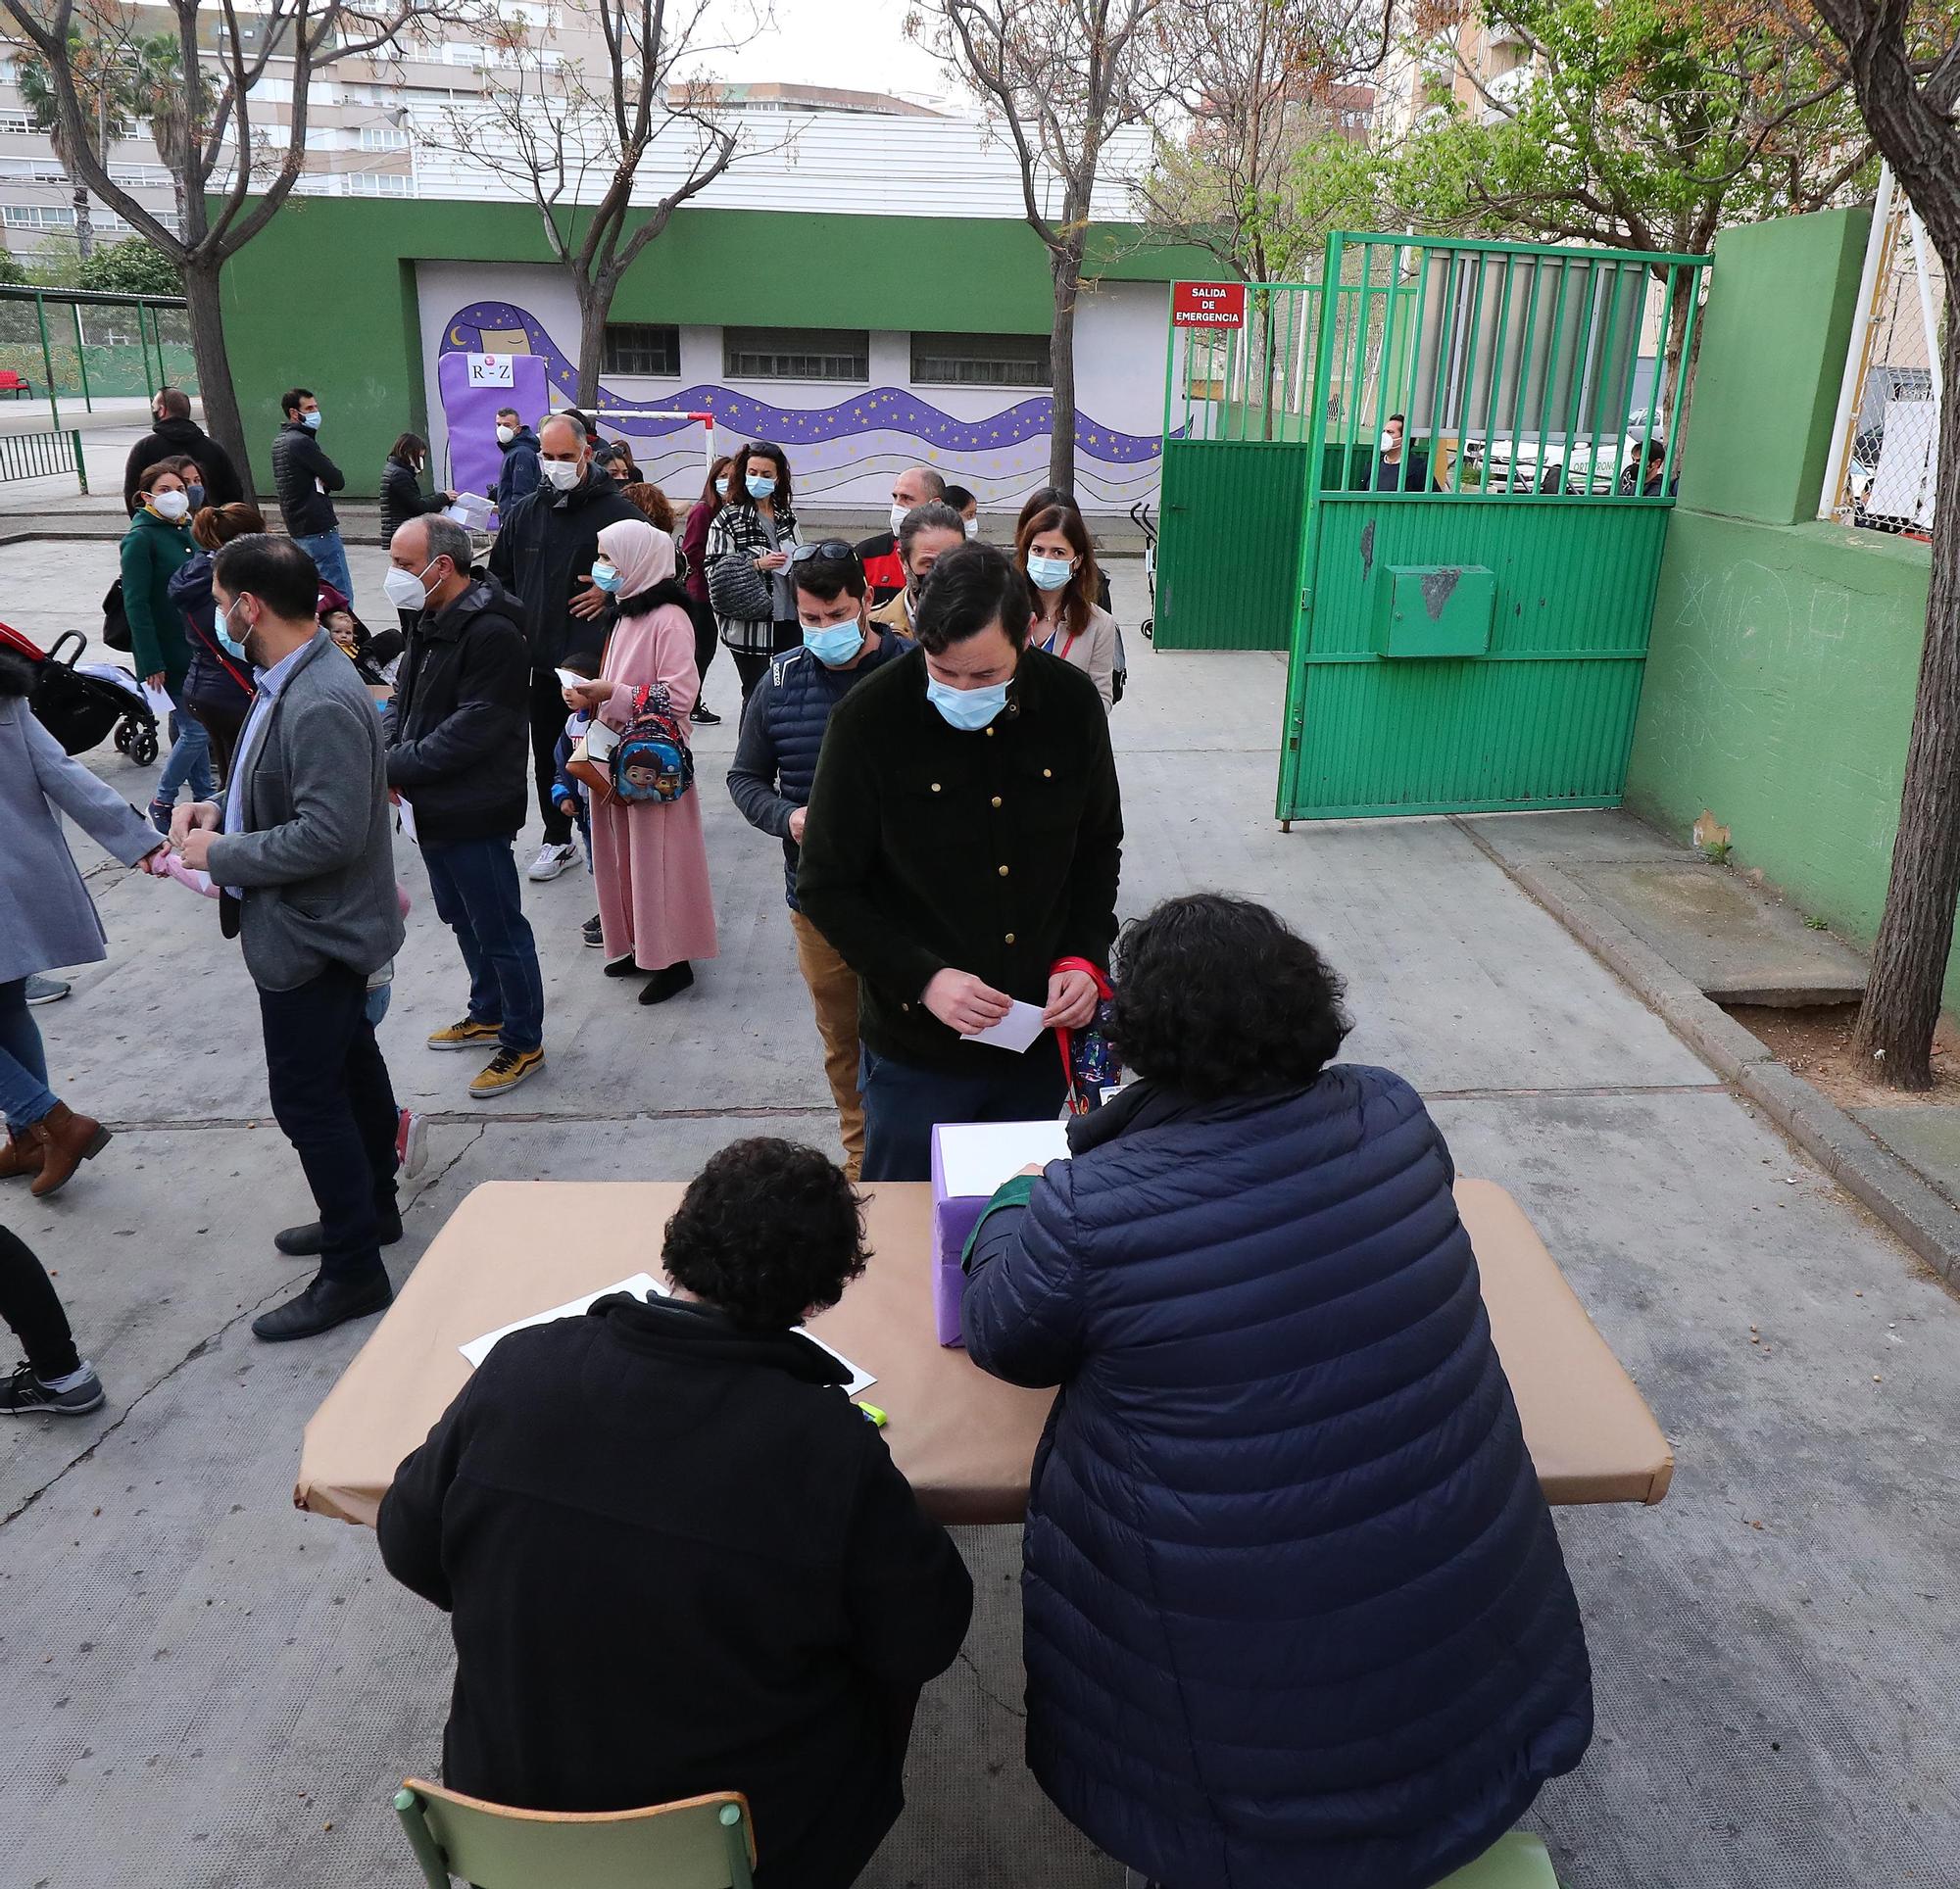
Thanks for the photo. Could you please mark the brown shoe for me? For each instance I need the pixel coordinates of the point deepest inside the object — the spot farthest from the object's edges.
(65, 1140)
(21, 1155)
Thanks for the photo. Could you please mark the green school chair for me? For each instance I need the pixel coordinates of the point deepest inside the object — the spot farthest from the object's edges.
(1516, 1861)
(700, 1843)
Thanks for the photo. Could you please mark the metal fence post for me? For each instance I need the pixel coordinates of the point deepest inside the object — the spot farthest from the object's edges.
(81, 358)
(48, 360)
(80, 465)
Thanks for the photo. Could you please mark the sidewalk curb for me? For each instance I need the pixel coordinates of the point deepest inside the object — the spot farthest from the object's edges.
(1910, 1206)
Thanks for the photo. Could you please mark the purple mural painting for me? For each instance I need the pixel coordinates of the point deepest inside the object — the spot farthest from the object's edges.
(877, 410)
(472, 386)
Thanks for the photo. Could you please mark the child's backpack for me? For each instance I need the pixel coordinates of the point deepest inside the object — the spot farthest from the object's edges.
(652, 761)
(1087, 1055)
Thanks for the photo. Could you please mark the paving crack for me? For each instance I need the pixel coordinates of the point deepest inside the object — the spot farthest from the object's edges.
(436, 1180)
(986, 1691)
(482, 1118)
(198, 1350)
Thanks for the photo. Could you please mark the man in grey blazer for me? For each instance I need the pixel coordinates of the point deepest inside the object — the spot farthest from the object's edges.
(301, 852)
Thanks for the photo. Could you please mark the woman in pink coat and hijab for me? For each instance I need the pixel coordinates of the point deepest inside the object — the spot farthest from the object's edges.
(648, 860)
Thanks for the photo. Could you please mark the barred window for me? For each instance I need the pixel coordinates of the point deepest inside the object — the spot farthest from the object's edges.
(981, 360)
(797, 354)
(641, 348)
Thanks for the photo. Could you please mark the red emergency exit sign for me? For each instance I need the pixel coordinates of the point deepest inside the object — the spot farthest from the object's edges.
(1208, 305)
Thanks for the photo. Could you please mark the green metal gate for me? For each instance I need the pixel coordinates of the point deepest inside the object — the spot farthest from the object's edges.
(1471, 628)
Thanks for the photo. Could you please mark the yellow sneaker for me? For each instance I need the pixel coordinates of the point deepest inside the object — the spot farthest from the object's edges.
(465, 1036)
(505, 1070)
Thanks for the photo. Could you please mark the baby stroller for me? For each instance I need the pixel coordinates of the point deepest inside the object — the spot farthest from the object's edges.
(1140, 517)
(79, 708)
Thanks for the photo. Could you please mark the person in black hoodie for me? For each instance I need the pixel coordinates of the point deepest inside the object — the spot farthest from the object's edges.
(677, 1557)
(543, 555)
(456, 732)
(176, 433)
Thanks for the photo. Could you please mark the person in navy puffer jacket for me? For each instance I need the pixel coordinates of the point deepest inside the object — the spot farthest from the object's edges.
(1294, 1611)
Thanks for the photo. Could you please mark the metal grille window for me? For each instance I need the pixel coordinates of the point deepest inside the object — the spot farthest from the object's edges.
(1883, 460)
(641, 348)
(797, 354)
(981, 360)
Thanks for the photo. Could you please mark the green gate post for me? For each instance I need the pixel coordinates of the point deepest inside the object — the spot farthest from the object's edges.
(48, 361)
(80, 467)
(81, 361)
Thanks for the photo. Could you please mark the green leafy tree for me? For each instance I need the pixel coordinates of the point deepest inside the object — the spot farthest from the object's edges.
(1632, 123)
(134, 266)
(56, 263)
(12, 274)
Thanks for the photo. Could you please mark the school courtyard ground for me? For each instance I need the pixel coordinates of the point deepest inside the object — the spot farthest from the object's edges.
(206, 1687)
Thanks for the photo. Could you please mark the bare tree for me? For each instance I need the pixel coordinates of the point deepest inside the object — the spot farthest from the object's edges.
(230, 181)
(1062, 78)
(1905, 66)
(574, 142)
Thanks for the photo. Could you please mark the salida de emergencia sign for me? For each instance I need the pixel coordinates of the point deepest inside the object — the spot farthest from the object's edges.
(1208, 305)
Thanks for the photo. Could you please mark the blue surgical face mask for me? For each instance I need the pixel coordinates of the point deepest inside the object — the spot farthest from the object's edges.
(721, 487)
(310, 420)
(833, 642)
(196, 496)
(759, 488)
(1050, 573)
(966, 710)
(222, 624)
(607, 578)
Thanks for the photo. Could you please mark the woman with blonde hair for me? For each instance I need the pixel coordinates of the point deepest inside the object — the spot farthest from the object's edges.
(649, 861)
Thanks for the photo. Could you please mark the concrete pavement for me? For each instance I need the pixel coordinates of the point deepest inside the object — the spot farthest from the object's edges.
(209, 1689)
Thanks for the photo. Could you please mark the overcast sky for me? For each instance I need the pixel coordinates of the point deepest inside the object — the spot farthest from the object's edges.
(860, 45)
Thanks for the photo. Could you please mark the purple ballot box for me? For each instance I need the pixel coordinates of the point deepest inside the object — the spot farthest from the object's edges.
(970, 1160)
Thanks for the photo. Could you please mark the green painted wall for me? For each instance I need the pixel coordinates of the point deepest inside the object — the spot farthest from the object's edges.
(1774, 333)
(1779, 696)
(1784, 656)
(325, 297)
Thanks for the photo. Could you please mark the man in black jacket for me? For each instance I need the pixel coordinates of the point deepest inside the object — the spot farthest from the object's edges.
(174, 433)
(304, 478)
(457, 732)
(964, 836)
(543, 555)
(518, 445)
(676, 1559)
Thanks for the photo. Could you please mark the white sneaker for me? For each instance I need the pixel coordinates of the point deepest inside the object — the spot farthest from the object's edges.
(551, 860)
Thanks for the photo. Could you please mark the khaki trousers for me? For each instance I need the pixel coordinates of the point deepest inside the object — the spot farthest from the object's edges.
(833, 994)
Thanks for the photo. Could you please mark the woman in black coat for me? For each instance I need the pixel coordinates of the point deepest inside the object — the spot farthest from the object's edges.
(402, 494)
(1294, 1610)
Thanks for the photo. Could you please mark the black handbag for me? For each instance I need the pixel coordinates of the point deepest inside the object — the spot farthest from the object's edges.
(740, 591)
(114, 618)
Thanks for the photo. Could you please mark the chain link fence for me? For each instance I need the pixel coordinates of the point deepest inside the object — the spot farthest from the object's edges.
(1887, 453)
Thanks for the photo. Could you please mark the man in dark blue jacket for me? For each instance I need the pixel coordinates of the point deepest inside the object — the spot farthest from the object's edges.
(520, 473)
(458, 734)
(775, 762)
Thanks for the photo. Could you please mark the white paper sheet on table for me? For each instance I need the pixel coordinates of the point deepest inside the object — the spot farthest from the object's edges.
(641, 1285)
(1016, 1031)
(975, 1157)
(860, 1380)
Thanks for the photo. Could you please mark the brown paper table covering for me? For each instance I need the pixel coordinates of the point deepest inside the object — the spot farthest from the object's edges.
(965, 1441)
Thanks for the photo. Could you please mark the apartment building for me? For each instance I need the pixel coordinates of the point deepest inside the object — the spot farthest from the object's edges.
(1447, 55)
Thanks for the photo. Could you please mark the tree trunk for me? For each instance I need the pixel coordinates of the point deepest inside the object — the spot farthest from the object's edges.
(1065, 265)
(213, 364)
(1909, 960)
(595, 304)
(84, 227)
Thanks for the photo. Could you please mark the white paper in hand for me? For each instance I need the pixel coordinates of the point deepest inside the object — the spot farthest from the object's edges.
(1016, 1031)
(641, 1285)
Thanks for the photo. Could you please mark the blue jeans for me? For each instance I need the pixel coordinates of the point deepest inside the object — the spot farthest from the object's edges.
(330, 557)
(190, 758)
(474, 884)
(24, 1095)
(903, 1102)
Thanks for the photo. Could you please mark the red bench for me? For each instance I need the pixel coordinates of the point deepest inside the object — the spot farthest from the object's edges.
(15, 384)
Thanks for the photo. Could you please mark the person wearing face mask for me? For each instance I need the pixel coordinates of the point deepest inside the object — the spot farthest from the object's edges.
(520, 473)
(694, 576)
(967, 505)
(543, 555)
(175, 433)
(749, 547)
(302, 850)
(305, 480)
(915, 486)
(217, 685)
(1056, 556)
(458, 736)
(402, 494)
(775, 762)
(1394, 473)
(963, 841)
(156, 547)
(927, 534)
(649, 861)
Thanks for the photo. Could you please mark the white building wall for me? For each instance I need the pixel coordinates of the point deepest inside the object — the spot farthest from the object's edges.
(843, 441)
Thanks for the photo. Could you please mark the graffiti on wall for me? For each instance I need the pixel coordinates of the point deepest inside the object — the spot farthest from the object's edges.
(870, 434)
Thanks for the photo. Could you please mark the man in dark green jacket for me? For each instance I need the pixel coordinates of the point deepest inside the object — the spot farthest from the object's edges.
(964, 836)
